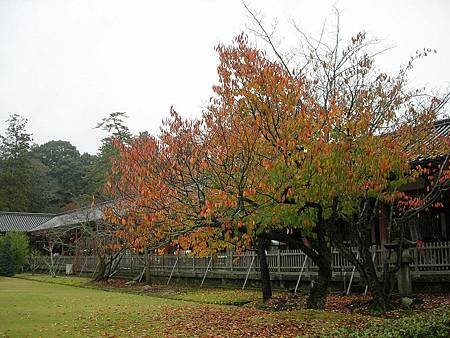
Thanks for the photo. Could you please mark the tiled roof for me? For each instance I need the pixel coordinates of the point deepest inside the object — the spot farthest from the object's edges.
(73, 217)
(20, 221)
(27, 222)
(441, 129)
(436, 142)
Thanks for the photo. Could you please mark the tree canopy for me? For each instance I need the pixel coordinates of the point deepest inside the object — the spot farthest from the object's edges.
(54, 176)
(308, 156)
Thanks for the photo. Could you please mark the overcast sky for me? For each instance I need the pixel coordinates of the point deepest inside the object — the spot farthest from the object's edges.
(66, 64)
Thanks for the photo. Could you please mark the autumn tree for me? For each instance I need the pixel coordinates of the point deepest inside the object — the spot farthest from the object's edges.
(217, 179)
(337, 138)
(100, 237)
(258, 102)
(159, 184)
(304, 153)
(199, 179)
(355, 148)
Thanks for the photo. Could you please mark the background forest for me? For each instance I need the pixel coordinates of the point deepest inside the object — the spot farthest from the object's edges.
(53, 177)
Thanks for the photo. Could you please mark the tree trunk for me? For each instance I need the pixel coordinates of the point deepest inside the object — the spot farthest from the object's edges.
(52, 261)
(380, 297)
(319, 292)
(320, 255)
(262, 245)
(101, 270)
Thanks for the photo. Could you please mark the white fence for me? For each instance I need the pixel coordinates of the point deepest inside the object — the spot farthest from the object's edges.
(431, 259)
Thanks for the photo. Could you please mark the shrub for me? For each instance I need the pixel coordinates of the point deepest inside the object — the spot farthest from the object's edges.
(434, 323)
(6, 261)
(19, 248)
(13, 252)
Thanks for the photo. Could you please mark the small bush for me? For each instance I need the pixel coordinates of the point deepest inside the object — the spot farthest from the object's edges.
(6, 261)
(19, 248)
(434, 323)
(13, 253)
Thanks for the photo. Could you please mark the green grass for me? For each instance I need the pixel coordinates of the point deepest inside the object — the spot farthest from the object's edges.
(42, 309)
(434, 323)
(63, 280)
(71, 306)
(51, 310)
(225, 296)
(220, 296)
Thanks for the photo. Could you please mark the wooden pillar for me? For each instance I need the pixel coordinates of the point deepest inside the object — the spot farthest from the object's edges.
(383, 221)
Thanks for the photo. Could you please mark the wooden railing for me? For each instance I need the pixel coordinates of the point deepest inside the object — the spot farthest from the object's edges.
(430, 259)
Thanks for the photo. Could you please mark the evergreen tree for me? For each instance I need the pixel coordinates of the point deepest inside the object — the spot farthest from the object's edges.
(15, 167)
(66, 171)
(19, 249)
(24, 181)
(17, 142)
(96, 176)
(6, 257)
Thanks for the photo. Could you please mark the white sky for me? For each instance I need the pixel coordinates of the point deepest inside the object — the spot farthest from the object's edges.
(65, 64)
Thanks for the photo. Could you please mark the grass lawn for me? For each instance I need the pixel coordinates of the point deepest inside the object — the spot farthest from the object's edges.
(32, 308)
(71, 306)
(64, 280)
(48, 310)
(225, 296)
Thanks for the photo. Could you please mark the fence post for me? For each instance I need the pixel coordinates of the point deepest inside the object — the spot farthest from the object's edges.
(301, 273)
(351, 277)
(231, 260)
(207, 268)
(278, 261)
(173, 269)
(82, 268)
(248, 271)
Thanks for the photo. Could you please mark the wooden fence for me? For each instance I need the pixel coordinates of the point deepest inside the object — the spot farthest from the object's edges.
(432, 259)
